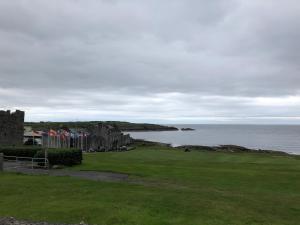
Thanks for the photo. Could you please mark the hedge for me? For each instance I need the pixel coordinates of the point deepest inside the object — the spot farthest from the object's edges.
(19, 151)
(66, 157)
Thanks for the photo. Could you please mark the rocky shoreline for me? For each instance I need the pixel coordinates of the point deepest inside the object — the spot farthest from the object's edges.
(13, 221)
(229, 148)
(220, 148)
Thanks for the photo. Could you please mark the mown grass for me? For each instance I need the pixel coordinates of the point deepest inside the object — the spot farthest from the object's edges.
(175, 187)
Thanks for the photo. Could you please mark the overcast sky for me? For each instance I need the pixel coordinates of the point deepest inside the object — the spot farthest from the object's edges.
(162, 61)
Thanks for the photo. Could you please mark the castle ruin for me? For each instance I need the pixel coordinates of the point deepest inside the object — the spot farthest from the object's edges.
(106, 138)
(11, 127)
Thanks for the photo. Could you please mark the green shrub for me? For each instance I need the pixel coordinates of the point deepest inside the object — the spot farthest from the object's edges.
(21, 151)
(67, 157)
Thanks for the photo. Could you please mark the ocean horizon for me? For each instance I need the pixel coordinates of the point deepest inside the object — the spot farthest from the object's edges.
(284, 138)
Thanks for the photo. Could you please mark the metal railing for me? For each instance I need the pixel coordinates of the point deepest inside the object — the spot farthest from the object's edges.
(28, 161)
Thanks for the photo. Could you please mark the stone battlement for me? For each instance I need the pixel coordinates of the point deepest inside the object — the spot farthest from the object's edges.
(8, 112)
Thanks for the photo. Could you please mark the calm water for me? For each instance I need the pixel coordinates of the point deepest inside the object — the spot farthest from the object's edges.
(273, 137)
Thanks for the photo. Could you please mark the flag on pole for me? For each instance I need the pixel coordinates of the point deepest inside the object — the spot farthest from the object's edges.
(52, 132)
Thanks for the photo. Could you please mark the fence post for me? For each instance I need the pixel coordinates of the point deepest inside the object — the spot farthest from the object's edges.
(46, 157)
(1, 161)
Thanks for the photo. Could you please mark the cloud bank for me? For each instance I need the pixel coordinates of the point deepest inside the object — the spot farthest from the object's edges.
(195, 61)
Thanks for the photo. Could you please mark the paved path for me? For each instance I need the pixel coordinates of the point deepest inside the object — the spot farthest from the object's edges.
(89, 175)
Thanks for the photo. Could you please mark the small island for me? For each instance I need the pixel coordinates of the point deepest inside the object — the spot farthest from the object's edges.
(187, 129)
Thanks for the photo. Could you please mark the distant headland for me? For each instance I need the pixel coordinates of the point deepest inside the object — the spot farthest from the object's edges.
(123, 126)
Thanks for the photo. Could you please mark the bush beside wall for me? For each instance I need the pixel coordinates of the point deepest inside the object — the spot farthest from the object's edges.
(67, 157)
(21, 151)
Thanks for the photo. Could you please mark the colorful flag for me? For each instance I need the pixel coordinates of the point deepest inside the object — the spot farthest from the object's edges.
(52, 132)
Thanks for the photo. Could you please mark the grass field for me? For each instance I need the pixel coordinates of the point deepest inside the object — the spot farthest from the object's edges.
(174, 187)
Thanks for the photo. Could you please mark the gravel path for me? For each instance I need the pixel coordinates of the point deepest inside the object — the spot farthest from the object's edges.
(89, 175)
(13, 221)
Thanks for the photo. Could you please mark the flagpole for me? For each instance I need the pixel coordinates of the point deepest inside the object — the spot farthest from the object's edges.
(59, 140)
(42, 140)
(48, 139)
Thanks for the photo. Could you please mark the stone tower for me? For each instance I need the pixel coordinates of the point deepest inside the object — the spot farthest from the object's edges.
(11, 128)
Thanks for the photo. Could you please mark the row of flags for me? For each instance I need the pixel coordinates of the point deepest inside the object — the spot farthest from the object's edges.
(65, 139)
(64, 134)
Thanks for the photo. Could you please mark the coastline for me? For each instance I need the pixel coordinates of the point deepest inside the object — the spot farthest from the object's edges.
(256, 138)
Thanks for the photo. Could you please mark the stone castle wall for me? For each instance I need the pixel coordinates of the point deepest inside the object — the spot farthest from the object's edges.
(106, 138)
(11, 127)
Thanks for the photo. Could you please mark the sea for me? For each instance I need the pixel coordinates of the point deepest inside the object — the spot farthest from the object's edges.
(269, 137)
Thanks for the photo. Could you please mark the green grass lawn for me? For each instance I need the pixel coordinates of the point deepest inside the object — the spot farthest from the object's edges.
(176, 187)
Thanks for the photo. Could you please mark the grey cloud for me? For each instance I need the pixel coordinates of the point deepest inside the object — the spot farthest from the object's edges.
(102, 55)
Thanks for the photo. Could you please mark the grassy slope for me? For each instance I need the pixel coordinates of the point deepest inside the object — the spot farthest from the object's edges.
(180, 188)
